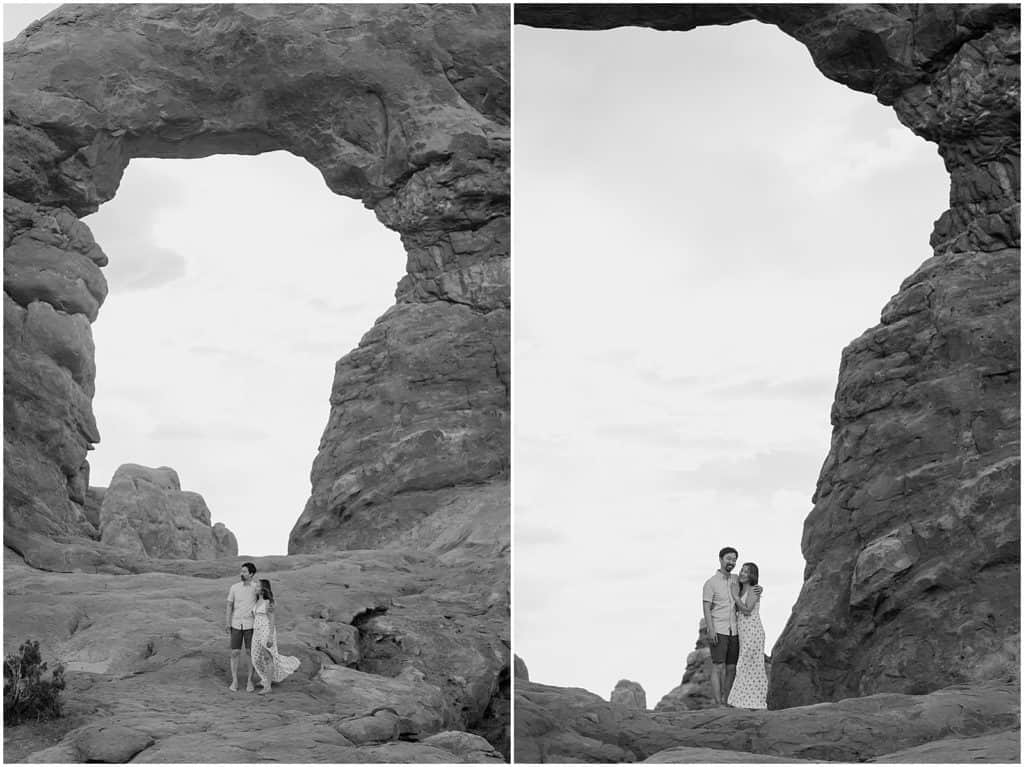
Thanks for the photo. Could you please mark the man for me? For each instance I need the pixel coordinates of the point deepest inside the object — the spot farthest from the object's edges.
(720, 619)
(241, 600)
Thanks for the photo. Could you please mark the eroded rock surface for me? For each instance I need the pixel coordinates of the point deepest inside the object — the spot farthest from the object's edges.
(403, 658)
(629, 694)
(145, 512)
(555, 724)
(913, 545)
(520, 671)
(404, 107)
(694, 690)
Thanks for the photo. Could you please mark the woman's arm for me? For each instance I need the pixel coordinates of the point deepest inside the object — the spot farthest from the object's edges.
(756, 591)
(273, 626)
(734, 590)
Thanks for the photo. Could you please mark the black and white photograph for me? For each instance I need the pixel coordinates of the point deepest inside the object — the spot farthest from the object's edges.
(511, 383)
(766, 446)
(257, 383)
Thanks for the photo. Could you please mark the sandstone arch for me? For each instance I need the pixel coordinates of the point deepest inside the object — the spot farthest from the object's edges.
(403, 107)
(913, 546)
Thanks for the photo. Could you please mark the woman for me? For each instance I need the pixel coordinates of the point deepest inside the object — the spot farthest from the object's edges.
(270, 666)
(750, 689)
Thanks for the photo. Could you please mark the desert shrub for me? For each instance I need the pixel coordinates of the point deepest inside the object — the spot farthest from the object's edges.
(27, 695)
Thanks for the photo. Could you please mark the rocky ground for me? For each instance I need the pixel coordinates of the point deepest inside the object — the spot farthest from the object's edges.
(963, 723)
(404, 658)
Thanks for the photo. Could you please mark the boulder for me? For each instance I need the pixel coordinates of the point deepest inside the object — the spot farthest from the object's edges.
(379, 727)
(403, 107)
(629, 694)
(415, 708)
(146, 513)
(110, 744)
(912, 581)
(472, 748)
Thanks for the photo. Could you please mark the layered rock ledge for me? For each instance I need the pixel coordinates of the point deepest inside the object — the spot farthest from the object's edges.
(555, 724)
(913, 545)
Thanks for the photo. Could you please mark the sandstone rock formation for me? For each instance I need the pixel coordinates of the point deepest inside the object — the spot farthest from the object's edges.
(403, 659)
(145, 512)
(694, 690)
(629, 694)
(520, 671)
(913, 545)
(403, 107)
(556, 724)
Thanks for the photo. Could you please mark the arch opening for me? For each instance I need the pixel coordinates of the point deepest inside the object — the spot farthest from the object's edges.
(235, 284)
(738, 222)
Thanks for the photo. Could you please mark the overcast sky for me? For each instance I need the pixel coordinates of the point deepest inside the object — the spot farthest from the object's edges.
(236, 283)
(702, 222)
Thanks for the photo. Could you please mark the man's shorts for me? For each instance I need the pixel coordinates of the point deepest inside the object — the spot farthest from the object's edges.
(727, 650)
(245, 635)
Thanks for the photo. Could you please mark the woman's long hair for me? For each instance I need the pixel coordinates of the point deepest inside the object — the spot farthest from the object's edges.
(753, 571)
(265, 591)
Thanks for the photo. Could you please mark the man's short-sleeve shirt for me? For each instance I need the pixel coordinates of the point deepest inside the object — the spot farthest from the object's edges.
(718, 591)
(244, 598)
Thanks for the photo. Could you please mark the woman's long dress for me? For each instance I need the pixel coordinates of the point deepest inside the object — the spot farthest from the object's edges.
(750, 689)
(271, 666)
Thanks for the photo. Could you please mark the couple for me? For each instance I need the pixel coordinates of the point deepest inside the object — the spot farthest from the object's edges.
(250, 619)
(733, 617)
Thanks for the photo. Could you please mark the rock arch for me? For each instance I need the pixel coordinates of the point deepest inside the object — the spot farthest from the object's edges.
(403, 107)
(913, 545)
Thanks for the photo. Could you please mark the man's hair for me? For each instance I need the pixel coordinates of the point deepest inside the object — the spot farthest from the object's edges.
(754, 572)
(727, 550)
(250, 567)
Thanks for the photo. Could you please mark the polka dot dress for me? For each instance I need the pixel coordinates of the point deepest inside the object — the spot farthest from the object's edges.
(270, 666)
(750, 690)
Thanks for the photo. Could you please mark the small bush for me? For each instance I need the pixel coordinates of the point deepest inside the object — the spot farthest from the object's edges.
(27, 696)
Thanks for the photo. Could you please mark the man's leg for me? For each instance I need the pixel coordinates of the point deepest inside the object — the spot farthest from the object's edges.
(717, 677)
(730, 677)
(732, 656)
(234, 669)
(718, 653)
(249, 687)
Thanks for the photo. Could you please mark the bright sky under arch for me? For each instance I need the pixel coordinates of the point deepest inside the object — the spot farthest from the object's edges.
(236, 283)
(702, 222)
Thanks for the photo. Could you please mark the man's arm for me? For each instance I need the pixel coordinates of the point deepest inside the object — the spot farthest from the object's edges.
(712, 635)
(230, 611)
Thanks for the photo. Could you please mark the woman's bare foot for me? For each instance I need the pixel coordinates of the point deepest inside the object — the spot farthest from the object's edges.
(233, 686)
(265, 690)
(249, 687)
